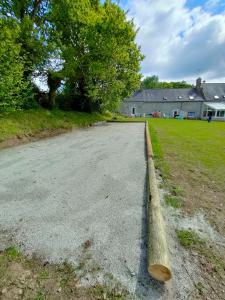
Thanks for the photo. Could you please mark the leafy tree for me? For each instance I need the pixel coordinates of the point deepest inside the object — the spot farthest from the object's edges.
(152, 82)
(101, 58)
(35, 41)
(15, 91)
(32, 18)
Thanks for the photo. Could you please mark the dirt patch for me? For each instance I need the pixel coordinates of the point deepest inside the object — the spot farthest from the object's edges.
(22, 278)
(26, 138)
(198, 265)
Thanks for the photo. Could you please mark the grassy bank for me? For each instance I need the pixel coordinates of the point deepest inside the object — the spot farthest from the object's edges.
(33, 122)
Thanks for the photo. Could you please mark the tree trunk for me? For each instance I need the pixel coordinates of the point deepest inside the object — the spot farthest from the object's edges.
(51, 98)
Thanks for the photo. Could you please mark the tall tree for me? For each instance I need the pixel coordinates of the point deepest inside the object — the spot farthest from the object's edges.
(102, 60)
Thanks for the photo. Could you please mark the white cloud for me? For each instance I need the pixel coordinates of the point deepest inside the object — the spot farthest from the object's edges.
(180, 43)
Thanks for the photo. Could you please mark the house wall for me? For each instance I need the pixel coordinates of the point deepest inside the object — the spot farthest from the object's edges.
(164, 107)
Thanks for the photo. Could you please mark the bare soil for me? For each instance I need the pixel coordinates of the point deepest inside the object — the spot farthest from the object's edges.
(27, 138)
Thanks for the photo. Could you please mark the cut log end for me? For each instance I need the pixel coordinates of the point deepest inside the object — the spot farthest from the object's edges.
(160, 272)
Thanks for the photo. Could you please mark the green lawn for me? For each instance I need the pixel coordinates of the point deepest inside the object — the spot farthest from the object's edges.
(32, 122)
(191, 156)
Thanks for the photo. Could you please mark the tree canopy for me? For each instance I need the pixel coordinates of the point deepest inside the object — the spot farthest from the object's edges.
(152, 82)
(87, 45)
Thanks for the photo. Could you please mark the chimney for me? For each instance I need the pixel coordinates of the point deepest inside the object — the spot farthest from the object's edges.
(199, 84)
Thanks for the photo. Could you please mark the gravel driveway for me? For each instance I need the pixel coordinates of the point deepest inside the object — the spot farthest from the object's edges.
(81, 197)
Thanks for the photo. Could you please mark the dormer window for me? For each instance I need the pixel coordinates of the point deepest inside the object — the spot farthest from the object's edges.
(216, 97)
(223, 96)
(164, 98)
(191, 97)
(179, 97)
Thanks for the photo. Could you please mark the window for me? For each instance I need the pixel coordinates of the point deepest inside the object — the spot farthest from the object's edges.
(212, 112)
(191, 114)
(164, 98)
(179, 97)
(221, 113)
(133, 110)
(191, 97)
(216, 97)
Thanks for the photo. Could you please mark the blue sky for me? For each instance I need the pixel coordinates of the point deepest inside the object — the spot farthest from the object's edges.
(181, 39)
(218, 5)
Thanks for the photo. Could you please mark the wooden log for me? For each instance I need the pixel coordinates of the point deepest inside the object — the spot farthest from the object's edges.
(158, 258)
(148, 142)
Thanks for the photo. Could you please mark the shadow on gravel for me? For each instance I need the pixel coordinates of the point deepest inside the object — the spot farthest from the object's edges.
(147, 287)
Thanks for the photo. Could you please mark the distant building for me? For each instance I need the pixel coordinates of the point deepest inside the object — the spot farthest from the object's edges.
(194, 103)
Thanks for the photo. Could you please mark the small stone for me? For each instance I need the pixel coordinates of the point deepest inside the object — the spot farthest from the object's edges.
(4, 291)
(104, 296)
(59, 290)
(20, 291)
(45, 263)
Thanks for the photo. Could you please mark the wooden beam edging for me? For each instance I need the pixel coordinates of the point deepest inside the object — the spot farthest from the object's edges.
(158, 256)
(123, 121)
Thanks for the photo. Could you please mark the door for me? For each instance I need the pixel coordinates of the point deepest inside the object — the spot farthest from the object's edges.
(133, 110)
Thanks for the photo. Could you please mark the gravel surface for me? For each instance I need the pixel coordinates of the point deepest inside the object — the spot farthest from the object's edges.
(82, 197)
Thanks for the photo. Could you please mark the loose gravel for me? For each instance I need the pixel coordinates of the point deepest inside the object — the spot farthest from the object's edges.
(78, 193)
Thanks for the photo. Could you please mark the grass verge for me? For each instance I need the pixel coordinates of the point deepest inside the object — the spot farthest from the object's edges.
(210, 266)
(30, 123)
(173, 201)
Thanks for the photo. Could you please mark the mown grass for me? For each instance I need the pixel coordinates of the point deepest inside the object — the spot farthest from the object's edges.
(193, 144)
(31, 122)
(191, 158)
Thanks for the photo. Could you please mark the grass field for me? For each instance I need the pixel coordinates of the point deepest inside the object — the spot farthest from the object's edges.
(191, 155)
(191, 159)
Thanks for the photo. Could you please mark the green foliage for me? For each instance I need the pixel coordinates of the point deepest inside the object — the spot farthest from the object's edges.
(87, 44)
(32, 18)
(188, 238)
(15, 90)
(152, 82)
(101, 58)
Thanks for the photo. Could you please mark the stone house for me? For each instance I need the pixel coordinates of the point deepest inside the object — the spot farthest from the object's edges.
(196, 102)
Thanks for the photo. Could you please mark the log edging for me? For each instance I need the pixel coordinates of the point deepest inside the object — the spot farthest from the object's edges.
(158, 255)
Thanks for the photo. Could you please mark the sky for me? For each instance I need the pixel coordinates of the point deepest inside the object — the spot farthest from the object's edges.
(181, 39)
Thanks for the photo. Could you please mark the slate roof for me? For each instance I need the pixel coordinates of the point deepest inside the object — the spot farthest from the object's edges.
(165, 95)
(214, 89)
